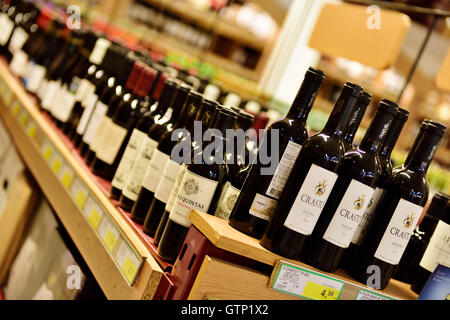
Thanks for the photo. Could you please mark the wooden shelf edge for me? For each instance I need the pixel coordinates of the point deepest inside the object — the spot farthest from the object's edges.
(85, 237)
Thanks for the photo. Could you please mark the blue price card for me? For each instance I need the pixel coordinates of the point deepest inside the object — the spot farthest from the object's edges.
(438, 285)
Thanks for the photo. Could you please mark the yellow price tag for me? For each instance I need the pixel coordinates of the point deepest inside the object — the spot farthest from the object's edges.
(31, 131)
(48, 152)
(317, 291)
(110, 240)
(56, 165)
(67, 178)
(16, 109)
(80, 199)
(94, 219)
(24, 119)
(129, 269)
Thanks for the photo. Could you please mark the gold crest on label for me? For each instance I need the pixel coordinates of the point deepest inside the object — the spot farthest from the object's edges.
(190, 187)
(359, 203)
(321, 187)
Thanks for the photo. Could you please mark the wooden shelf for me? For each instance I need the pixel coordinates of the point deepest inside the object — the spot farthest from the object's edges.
(208, 19)
(122, 264)
(225, 237)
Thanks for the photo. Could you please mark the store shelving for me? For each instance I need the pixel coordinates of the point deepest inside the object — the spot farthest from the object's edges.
(122, 264)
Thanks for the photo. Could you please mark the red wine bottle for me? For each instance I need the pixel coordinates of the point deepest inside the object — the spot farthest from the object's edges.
(260, 193)
(311, 181)
(398, 211)
(352, 252)
(350, 196)
(200, 190)
(158, 159)
(358, 114)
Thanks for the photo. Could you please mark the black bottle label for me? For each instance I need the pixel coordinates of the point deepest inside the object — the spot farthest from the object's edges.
(311, 199)
(398, 232)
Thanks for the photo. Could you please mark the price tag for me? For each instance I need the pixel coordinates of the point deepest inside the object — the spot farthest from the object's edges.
(23, 118)
(31, 129)
(79, 193)
(306, 283)
(56, 163)
(94, 213)
(109, 234)
(66, 176)
(47, 151)
(15, 108)
(367, 295)
(127, 261)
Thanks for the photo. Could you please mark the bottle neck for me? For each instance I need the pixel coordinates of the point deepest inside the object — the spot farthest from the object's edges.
(391, 139)
(187, 117)
(177, 107)
(340, 115)
(304, 100)
(352, 128)
(376, 132)
(423, 152)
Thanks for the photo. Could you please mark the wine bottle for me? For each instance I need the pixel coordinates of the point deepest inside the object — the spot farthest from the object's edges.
(158, 159)
(8, 20)
(349, 198)
(118, 131)
(358, 114)
(352, 252)
(200, 190)
(138, 137)
(260, 193)
(171, 169)
(429, 245)
(398, 210)
(411, 268)
(133, 179)
(311, 181)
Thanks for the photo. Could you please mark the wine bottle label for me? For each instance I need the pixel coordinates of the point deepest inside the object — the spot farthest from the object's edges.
(35, 78)
(17, 40)
(398, 232)
(74, 85)
(66, 102)
(155, 170)
(115, 138)
(349, 214)
(137, 173)
(195, 193)
(222, 195)
(102, 133)
(438, 249)
(82, 89)
(283, 170)
(89, 98)
(176, 188)
(19, 59)
(227, 204)
(91, 129)
(99, 51)
(42, 87)
(49, 94)
(167, 181)
(263, 207)
(310, 200)
(87, 114)
(6, 26)
(366, 218)
(128, 159)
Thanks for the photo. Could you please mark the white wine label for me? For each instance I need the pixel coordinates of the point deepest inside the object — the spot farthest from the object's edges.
(99, 51)
(37, 74)
(67, 102)
(128, 159)
(137, 173)
(97, 115)
(17, 40)
(284, 169)
(349, 214)
(89, 98)
(6, 26)
(82, 89)
(41, 88)
(87, 113)
(195, 193)
(367, 217)
(263, 207)
(49, 94)
(227, 204)
(19, 59)
(114, 140)
(438, 249)
(101, 134)
(222, 195)
(311, 199)
(167, 181)
(176, 188)
(398, 232)
(155, 170)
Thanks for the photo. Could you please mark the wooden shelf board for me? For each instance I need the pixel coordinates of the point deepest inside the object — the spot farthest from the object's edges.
(225, 237)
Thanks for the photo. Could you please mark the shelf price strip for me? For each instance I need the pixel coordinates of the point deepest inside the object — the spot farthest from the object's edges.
(79, 193)
(128, 262)
(367, 295)
(304, 283)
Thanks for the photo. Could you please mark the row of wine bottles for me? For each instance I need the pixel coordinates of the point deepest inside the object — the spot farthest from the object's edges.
(327, 202)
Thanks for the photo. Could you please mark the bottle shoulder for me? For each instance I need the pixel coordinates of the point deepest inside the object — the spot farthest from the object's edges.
(410, 185)
(291, 129)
